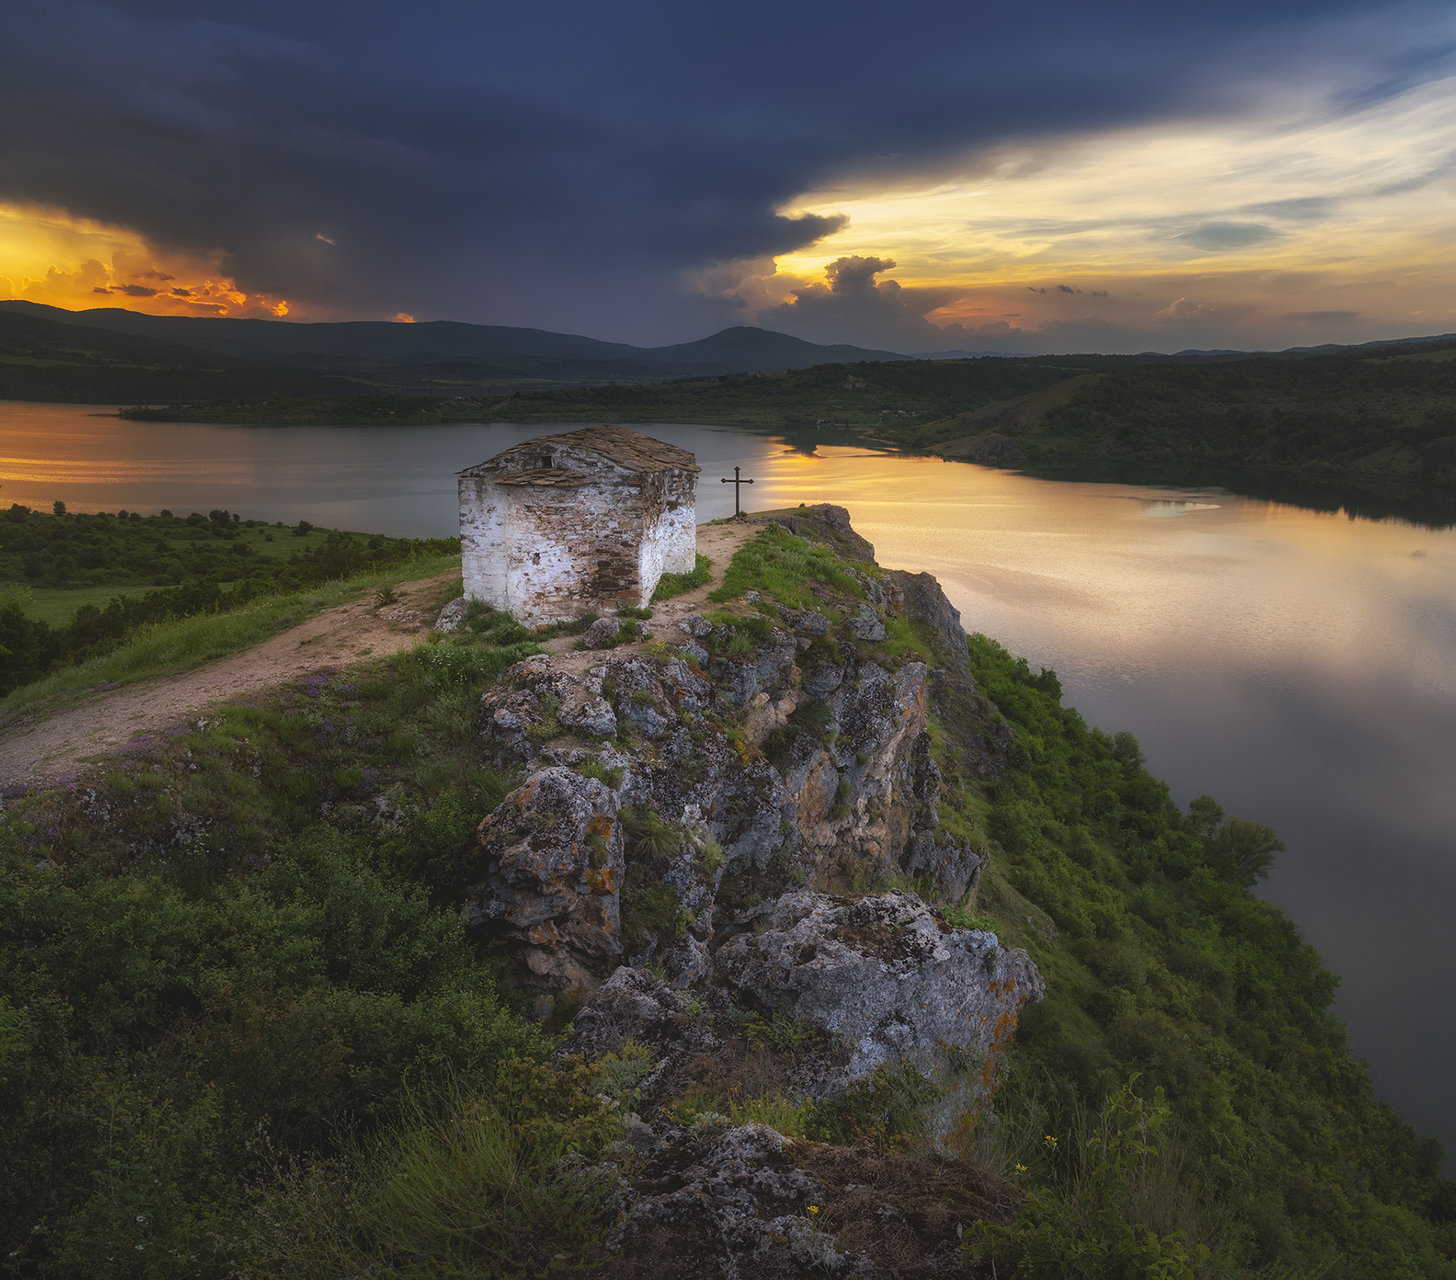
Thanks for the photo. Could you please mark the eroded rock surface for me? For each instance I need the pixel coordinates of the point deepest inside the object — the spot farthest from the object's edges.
(883, 975)
(734, 1195)
(554, 852)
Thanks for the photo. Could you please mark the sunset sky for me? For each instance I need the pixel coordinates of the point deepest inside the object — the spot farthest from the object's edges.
(932, 176)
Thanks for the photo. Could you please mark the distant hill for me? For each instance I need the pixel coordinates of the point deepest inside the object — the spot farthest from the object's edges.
(42, 359)
(437, 357)
(744, 349)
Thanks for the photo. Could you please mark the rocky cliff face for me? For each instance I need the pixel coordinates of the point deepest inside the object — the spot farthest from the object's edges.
(750, 807)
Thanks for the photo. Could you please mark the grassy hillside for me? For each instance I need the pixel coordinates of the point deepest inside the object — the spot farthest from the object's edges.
(1162, 966)
(243, 1033)
(108, 353)
(885, 395)
(74, 586)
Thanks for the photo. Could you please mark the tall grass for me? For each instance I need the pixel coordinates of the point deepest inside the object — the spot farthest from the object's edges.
(1106, 1193)
(458, 1189)
(676, 584)
(165, 648)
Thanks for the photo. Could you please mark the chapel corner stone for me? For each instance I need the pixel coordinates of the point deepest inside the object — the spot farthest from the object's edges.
(589, 519)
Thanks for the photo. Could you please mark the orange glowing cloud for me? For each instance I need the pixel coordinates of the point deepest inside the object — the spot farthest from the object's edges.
(48, 256)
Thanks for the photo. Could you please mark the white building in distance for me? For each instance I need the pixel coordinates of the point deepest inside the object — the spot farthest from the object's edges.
(588, 520)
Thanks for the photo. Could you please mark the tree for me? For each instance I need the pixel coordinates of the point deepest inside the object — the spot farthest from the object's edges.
(1206, 813)
(1243, 851)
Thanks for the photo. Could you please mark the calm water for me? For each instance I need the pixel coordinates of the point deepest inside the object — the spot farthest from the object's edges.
(1300, 667)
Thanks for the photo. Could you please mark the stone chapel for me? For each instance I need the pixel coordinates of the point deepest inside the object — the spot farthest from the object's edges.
(590, 519)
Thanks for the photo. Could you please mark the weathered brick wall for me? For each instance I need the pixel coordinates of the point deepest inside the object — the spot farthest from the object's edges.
(572, 550)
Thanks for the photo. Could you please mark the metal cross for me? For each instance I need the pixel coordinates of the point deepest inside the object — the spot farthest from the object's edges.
(735, 482)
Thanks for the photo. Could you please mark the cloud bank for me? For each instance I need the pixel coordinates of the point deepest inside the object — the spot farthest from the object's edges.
(596, 169)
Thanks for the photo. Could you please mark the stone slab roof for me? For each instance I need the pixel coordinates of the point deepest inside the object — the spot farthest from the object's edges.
(621, 445)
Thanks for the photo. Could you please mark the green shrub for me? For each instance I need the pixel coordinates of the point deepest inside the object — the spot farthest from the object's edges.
(594, 768)
(649, 832)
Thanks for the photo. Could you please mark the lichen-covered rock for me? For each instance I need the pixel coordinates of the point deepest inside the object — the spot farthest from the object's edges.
(883, 974)
(553, 870)
(452, 616)
(767, 667)
(652, 696)
(535, 700)
(866, 624)
(950, 864)
(923, 599)
(859, 792)
(634, 1005)
(807, 624)
(601, 634)
(734, 1196)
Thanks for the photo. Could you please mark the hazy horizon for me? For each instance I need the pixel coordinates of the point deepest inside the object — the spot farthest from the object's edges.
(687, 340)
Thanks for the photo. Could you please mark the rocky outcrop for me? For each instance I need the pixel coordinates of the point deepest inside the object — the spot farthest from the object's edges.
(734, 1196)
(555, 851)
(452, 616)
(822, 770)
(730, 808)
(883, 975)
(830, 525)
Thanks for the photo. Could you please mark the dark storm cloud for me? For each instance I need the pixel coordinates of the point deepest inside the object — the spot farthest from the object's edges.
(559, 165)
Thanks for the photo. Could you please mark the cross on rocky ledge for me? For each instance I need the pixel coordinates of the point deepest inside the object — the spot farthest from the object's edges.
(737, 489)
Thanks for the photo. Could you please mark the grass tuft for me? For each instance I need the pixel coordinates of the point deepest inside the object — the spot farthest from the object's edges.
(676, 584)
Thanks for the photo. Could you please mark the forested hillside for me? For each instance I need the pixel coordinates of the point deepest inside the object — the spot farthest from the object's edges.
(1388, 418)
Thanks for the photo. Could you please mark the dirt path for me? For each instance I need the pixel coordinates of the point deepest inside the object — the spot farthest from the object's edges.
(60, 745)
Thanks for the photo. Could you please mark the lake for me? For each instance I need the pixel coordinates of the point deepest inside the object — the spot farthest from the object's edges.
(1298, 666)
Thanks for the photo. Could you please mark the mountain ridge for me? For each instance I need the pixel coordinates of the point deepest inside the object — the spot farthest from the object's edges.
(509, 350)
